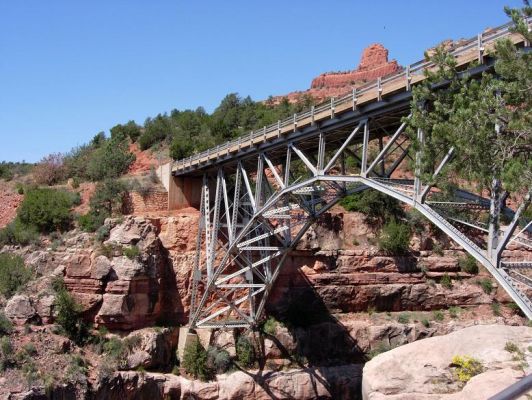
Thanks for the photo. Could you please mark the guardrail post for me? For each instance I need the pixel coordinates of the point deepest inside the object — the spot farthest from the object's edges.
(279, 128)
(251, 138)
(480, 47)
(379, 89)
(332, 107)
(354, 94)
(408, 78)
(295, 122)
(264, 133)
(312, 115)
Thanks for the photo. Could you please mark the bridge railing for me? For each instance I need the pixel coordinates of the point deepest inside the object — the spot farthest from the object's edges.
(418, 68)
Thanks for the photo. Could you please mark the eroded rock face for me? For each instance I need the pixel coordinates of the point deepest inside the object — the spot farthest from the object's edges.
(422, 370)
(153, 348)
(20, 309)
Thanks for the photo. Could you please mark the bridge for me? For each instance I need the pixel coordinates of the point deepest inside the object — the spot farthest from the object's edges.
(259, 193)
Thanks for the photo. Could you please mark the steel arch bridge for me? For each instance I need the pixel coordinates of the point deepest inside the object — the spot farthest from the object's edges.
(259, 194)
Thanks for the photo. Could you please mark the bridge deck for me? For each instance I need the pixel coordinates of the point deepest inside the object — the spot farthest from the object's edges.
(375, 92)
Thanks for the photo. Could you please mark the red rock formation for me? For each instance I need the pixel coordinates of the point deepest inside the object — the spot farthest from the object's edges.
(9, 202)
(373, 64)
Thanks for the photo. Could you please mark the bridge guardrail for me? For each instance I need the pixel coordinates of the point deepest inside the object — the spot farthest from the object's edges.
(414, 69)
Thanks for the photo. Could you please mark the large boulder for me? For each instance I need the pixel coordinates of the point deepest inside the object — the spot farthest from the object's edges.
(20, 309)
(423, 369)
(152, 347)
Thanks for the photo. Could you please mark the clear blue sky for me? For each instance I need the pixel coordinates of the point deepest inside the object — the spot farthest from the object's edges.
(69, 69)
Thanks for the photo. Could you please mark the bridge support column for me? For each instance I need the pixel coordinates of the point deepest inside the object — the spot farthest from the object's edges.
(187, 336)
(183, 192)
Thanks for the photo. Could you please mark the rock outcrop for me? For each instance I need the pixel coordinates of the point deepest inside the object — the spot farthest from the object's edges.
(423, 369)
(373, 64)
(342, 382)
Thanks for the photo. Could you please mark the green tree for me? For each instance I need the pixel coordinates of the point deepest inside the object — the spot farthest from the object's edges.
(110, 160)
(487, 120)
(130, 130)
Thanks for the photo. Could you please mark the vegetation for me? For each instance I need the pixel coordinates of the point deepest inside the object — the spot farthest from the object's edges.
(110, 160)
(69, 314)
(446, 281)
(486, 120)
(468, 264)
(195, 361)
(13, 274)
(394, 238)
(130, 130)
(107, 200)
(438, 315)
(131, 252)
(270, 326)
(381, 347)
(218, 360)
(376, 206)
(50, 170)
(454, 312)
(18, 233)
(47, 209)
(403, 318)
(5, 325)
(245, 352)
(486, 284)
(8, 170)
(466, 367)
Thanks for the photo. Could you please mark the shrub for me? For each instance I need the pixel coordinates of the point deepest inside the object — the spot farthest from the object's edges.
(437, 248)
(13, 274)
(468, 264)
(394, 238)
(245, 352)
(403, 318)
(46, 209)
(446, 281)
(425, 322)
(454, 311)
(18, 233)
(218, 360)
(195, 361)
(50, 170)
(131, 252)
(69, 314)
(466, 367)
(30, 349)
(270, 326)
(376, 206)
(511, 347)
(438, 315)
(486, 284)
(116, 351)
(496, 309)
(381, 347)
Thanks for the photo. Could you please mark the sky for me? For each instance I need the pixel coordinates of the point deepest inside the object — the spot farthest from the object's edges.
(70, 69)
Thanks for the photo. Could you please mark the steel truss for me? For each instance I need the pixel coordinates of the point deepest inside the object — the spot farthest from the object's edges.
(255, 211)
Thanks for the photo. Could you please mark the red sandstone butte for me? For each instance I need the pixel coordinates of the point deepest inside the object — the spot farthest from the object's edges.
(373, 64)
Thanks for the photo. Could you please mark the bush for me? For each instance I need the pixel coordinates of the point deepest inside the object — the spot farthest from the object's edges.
(131, 252)
(496, 309)
(376, 206)
(108, 199)
(50, 170)
(381, 347)
(468, 264)
(454, 311)
(195, 361)
(394, 238)
(18, 233)
(403, 318)
(69, 314)
(6, 327)
(466, 367)
(270, 326)
(13, 274)
(425, 322)
(438, 315)
(46, 209)
(446, 281)
(486, 284)
(218, 360)
(245, 352)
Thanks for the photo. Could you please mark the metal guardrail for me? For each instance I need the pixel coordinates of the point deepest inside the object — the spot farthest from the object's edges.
(411, 70)
(521, 387)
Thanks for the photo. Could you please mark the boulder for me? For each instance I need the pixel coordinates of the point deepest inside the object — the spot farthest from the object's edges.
(19, 309)
(152, 347)
(423, 370)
